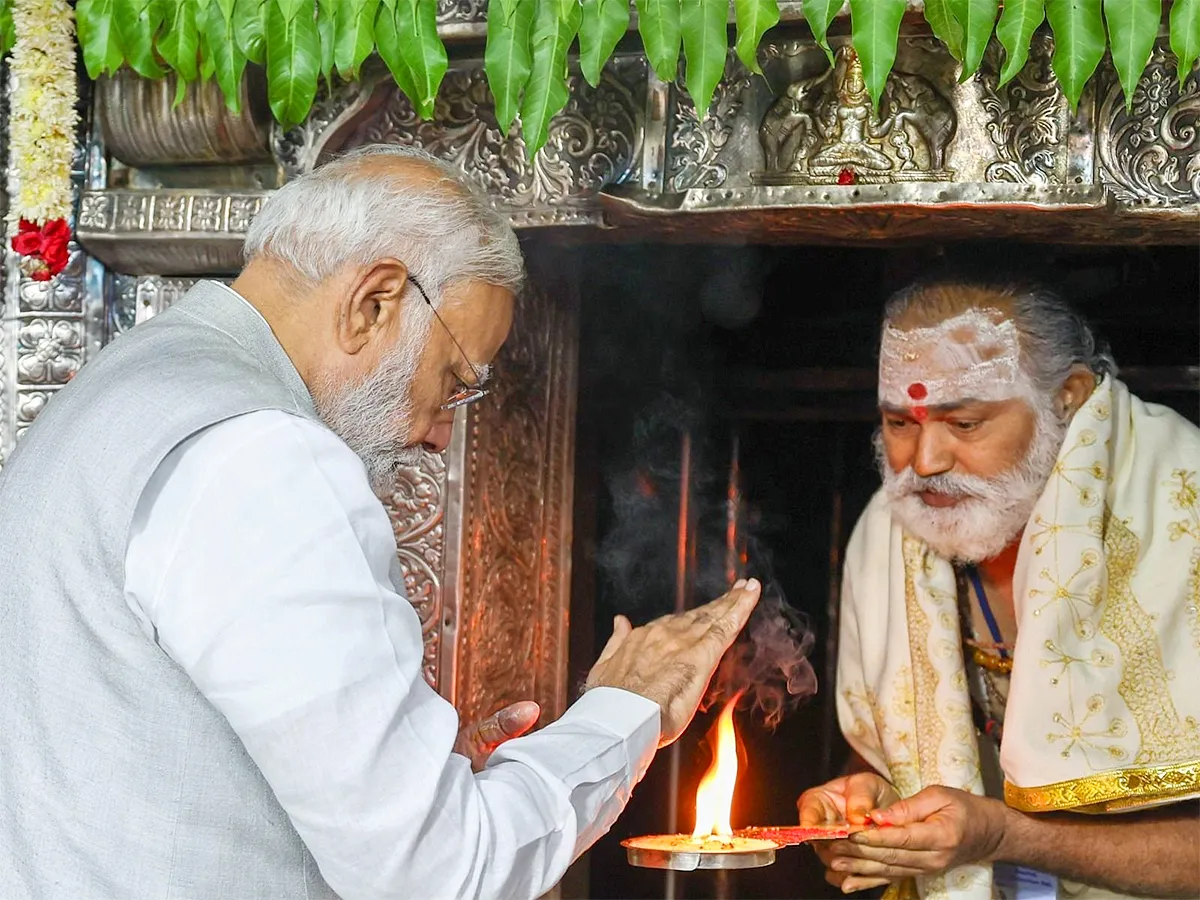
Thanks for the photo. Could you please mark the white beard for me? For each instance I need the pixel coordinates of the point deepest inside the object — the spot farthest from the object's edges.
(994, 510)
(374, 416)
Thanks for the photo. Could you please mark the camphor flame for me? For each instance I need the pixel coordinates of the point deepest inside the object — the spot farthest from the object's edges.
(714, 797)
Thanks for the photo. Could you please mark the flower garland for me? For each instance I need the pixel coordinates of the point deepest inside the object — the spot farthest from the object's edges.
(41, 130)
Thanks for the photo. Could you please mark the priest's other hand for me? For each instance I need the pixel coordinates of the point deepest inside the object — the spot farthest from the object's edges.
(849, 799)
(477, 741)
(672, 659)
(931, 831)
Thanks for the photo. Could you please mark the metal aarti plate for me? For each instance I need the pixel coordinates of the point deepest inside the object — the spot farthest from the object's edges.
(684, 853)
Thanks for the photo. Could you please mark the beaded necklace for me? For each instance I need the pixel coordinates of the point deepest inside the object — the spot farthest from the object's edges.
(994, 658)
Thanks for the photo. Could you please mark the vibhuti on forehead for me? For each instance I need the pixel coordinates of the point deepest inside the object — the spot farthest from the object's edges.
(974, 355)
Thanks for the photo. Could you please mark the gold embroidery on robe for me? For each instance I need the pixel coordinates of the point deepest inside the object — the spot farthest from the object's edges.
(1108, 791)
(925, 677)
(1164, 735)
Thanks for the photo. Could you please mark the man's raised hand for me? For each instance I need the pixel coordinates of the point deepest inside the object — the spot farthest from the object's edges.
(672, 659)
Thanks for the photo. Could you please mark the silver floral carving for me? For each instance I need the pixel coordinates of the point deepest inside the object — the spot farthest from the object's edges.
(695, 144)
(1151, 152)
(63, 294)
(133, 211)
(515, 591)
(170, 213)
(142, 211)
(49, 351)
(47, 332)
(299, 149)
(1027, 118)
(197, 231)
(242, 211)
(416, 506)
(593, 142)
(96, 211)
(29, 405)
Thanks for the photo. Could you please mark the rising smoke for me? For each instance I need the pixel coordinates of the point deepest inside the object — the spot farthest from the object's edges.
(651, 368)
(768, 665)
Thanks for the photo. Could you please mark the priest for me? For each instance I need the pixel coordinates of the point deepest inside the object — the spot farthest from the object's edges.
(1020, 641)
(211, 677)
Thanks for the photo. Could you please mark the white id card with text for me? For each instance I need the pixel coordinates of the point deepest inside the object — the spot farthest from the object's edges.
(1022, 883)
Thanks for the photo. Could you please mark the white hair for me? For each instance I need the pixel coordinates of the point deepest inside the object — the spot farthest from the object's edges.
(345, 213)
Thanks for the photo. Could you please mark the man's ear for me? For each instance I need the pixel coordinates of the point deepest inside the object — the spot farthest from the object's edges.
(1075, 390)
(372, 306)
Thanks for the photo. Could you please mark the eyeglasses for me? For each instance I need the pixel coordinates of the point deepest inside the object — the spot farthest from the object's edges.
(466, 393)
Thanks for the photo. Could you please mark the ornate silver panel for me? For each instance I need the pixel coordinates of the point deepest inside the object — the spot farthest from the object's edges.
(417, 507)
(806, 122)
(47, 330)
(167, 232)
(695, 143)
(1150, 155)
(136, 298)
(633, 154)
(595, 141)
(299, 149)
(1026, 119)
(798, 156)
(510, 631)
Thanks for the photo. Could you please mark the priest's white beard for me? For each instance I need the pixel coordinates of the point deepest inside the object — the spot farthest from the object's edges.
(374, 415)
(995, 510)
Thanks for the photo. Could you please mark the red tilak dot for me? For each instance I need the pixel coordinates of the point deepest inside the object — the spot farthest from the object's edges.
(920, 413)
(917, 391)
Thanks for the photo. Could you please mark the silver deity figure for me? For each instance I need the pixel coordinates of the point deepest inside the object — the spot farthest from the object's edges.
(848, 124)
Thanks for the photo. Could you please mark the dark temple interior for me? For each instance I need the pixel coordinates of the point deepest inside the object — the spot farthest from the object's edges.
(765, 359)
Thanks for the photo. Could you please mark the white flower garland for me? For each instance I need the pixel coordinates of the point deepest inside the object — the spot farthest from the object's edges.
(42, 119)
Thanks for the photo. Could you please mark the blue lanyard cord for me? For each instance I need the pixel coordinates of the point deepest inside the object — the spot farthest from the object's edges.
(986, 609)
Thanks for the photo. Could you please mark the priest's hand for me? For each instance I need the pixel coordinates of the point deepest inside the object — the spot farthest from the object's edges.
(476, 742)
(672, 659)
(849, 799)
(930, 832)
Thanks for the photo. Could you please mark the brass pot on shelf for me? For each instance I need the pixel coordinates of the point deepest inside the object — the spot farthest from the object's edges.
(143, 127)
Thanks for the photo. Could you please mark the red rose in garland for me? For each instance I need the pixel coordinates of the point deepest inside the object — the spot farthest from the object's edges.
(44, 248)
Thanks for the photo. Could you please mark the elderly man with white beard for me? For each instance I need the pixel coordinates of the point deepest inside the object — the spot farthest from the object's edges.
(1019, 634)
(212, 679)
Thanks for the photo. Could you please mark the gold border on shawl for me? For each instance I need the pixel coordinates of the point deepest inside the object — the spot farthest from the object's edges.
(926, 716)
(1108, 791)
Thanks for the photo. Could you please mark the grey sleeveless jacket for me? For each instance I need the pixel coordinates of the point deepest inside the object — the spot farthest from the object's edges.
(117, 778)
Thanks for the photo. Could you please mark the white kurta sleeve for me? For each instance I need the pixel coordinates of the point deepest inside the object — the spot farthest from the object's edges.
(259, 560)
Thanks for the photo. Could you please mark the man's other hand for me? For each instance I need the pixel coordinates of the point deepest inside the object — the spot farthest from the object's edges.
(476, 742)
(849, 799)
(672, 659)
